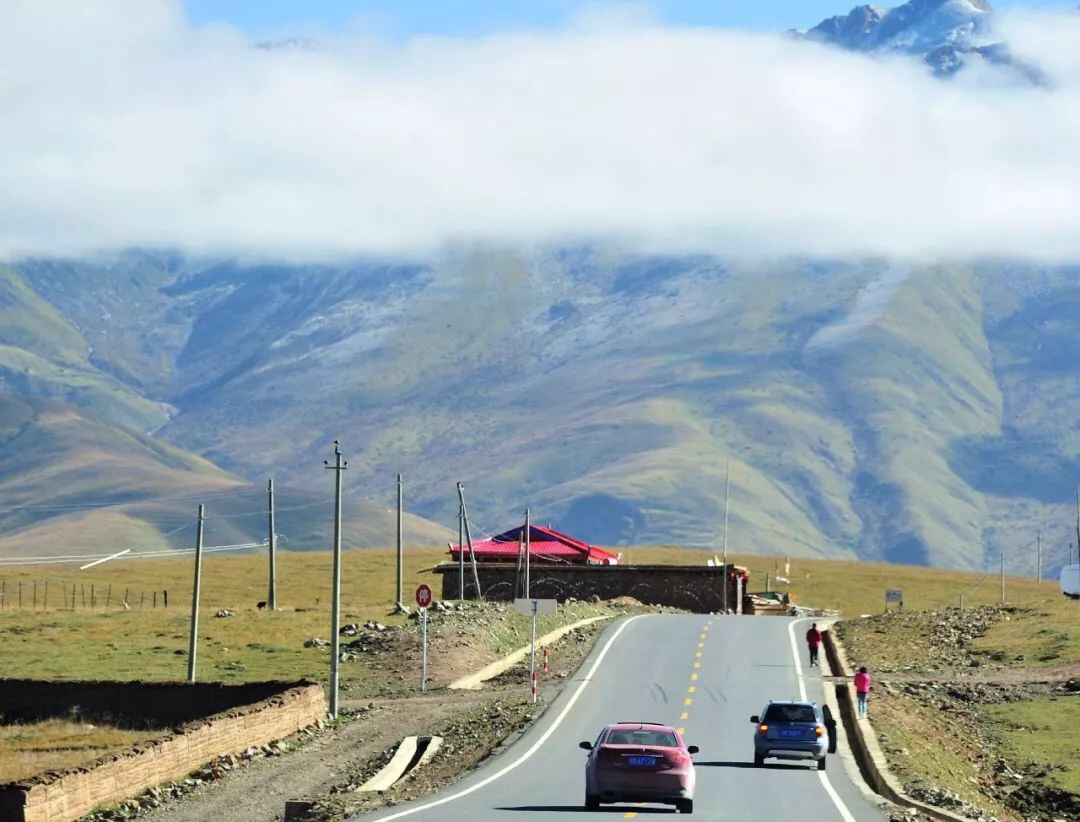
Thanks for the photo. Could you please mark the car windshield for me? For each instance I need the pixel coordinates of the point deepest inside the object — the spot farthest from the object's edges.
(663, 739)
(790, 713)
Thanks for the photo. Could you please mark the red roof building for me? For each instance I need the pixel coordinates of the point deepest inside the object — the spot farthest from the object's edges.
(546, 546)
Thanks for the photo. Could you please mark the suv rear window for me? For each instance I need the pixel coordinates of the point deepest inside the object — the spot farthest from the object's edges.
(790, 713)
(663, 739)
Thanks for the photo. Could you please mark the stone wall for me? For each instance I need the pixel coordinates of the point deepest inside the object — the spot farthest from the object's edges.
(693, 587)
(68, 795)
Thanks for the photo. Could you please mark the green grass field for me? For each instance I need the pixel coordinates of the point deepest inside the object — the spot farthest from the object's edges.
(150, 643)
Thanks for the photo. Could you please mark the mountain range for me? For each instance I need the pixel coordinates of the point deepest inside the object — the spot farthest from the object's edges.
(861, 408)
(866, 409)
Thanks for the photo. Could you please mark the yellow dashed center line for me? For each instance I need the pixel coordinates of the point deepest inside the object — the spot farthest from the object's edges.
(629, 814)
(693, 677)
(697, 664)
(691, 689)
(701, 644)
(682, 731)
(688, 702)
(684, 715)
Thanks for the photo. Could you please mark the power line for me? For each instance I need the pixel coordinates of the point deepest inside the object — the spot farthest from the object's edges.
(146, 501)
(14, 562)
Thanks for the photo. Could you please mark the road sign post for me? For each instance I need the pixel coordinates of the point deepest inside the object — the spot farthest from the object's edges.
(423, 599)
(534, 607)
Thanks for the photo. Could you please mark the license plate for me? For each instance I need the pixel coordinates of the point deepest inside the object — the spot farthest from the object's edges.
(641, 761)
(791, 733)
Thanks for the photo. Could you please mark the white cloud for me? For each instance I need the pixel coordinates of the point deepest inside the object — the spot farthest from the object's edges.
(122, 125)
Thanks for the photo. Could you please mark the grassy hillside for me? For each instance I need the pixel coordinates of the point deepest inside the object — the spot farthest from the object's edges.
(74, 485)
(867, 409)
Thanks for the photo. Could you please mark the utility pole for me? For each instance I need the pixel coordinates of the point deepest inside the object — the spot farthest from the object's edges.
(519, 578)
(400, 557)
(1002, 577)
(468, 539)
(1038, 557)
(527, 559)
(1078, 525)
(193, 640)
(461, 551)
(338, 468)
(271, 596)
(727, 505)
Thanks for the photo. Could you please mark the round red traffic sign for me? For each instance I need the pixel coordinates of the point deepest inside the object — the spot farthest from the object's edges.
(423, 596)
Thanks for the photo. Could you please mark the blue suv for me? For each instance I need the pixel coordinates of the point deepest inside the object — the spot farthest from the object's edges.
(790, 730)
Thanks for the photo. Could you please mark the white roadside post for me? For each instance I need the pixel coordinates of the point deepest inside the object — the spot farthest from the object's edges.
(533, 607)
(423, 599)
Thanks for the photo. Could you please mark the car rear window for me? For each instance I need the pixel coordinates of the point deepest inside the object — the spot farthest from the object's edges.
(790, 713)
(664, 739)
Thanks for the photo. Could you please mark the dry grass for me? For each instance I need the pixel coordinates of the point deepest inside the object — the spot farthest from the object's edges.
(30, 748)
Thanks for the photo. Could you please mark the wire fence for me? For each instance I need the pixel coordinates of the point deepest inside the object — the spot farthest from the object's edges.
(60, 595)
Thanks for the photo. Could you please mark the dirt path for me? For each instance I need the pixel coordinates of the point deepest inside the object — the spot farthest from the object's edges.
(327, 766)
(259, 789)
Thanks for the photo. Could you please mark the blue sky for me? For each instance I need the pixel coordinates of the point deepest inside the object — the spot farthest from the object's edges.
(403, 18)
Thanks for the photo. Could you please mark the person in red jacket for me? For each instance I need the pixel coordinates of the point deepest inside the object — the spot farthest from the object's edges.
(862, 690)
(813, 641)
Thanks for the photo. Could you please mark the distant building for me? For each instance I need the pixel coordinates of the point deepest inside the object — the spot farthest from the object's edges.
(546, 547)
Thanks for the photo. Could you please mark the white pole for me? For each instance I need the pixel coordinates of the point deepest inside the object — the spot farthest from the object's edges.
(193, 640)
(335, 602)
(527, 552)
(1002, 577)
(532, 653)
(423, 650)
(1038, 557)
(727, 505)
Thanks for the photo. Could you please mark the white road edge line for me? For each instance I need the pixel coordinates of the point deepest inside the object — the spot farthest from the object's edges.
(535, 746)
(845, 814)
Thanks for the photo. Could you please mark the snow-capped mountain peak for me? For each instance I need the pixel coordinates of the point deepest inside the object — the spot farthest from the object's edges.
(918, 26)
(947, 34)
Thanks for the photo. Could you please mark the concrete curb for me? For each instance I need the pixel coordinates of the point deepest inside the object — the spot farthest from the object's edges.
(864, 743)
(393, 770)
(474, 680)
(397, 769)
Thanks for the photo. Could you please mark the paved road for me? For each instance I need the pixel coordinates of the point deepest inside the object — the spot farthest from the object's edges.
(644, 668)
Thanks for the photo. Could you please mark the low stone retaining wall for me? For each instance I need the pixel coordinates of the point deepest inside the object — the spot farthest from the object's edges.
(691, 587)
(59, 796)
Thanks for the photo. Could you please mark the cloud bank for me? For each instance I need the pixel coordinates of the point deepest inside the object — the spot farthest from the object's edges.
(123, 126)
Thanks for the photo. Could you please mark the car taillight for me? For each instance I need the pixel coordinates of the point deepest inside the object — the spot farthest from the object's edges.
(763, 728)
(819, 730)
(677, 759)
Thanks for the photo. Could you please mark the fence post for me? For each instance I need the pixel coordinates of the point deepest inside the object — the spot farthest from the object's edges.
(108, 597)
(45, 605)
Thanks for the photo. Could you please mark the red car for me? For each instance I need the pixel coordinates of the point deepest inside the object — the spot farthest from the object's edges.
(639, 762)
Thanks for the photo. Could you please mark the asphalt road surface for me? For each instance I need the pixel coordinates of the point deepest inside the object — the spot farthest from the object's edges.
(704, 674)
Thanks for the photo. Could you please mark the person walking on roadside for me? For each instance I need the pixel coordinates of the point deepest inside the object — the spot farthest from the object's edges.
(813, 642)
(862, 690)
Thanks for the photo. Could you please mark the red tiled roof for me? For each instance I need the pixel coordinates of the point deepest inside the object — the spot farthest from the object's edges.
(544, 543)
